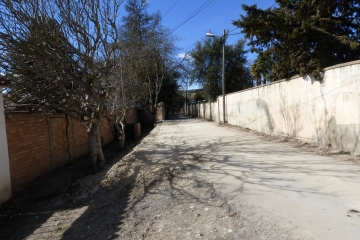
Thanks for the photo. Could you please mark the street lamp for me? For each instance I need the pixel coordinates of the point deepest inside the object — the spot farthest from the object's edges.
(222, 39)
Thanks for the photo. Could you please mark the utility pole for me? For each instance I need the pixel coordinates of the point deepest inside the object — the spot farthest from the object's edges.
(223, 74)
(223, 40)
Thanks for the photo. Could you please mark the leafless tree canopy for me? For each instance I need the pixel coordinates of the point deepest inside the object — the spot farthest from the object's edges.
(60, 55)
(74, 56)
(152, 49)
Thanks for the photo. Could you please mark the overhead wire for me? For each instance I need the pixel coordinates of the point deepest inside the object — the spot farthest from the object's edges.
(197, 11)
(271, 6)
(171, 8)
(233, 29)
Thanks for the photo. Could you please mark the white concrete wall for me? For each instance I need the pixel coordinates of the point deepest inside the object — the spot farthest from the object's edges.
(207, 106)
(215, 111)
(201, 110)
(5, 183)
(325, 112)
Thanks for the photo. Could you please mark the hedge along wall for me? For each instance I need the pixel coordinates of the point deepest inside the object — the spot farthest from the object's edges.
(38, 145)
(326, 112)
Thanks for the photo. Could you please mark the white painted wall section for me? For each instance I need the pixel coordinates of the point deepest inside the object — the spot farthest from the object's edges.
(5, 183)
(326, 112)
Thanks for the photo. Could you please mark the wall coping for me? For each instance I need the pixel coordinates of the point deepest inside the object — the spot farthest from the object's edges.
(296, 76)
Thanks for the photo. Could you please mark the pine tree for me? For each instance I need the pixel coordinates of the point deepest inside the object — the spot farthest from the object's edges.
(301, 37)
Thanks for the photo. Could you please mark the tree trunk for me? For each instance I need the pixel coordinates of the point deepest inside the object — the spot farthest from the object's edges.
(120, 127)
(95, 147)
(122, 140)
(153, 115)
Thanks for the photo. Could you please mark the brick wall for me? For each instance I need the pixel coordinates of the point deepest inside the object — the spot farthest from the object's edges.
(131, 116)
(38, 145)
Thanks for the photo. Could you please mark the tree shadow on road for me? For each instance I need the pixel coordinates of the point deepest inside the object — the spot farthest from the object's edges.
(244, 167)
(39, 210)
(230, 159)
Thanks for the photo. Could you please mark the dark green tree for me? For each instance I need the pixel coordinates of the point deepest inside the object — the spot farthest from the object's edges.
(301, 37)
(199, 96)
(171, 94)
(206, 67)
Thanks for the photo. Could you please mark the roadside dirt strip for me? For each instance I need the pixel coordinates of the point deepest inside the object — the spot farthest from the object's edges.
(193, 179)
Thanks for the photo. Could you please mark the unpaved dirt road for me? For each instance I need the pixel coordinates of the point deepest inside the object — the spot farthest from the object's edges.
(278, 191)
(193, 179)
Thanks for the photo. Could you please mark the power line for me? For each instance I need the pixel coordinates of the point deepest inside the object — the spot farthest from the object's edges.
(233, 29)
(171, 8)
(271, 6)
(197, 11)
(234, 34)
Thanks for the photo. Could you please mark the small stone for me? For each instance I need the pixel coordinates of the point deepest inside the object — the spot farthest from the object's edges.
(198, 215)
(206, 209)
(230, 231)
(191, 206)
(201, 234)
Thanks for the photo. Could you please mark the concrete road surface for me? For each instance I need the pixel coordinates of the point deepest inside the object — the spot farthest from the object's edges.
(298, 194)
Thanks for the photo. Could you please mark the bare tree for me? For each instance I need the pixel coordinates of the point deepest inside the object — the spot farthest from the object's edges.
(128, 90)
(61, 56)
(163, 63)
(152, 48)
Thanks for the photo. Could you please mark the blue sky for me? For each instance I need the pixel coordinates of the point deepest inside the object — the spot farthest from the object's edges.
(217, 16)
